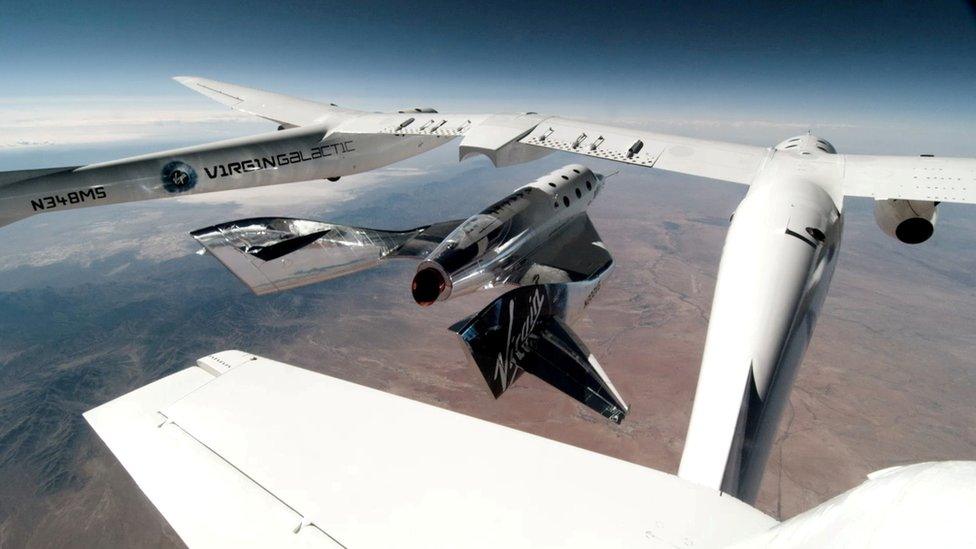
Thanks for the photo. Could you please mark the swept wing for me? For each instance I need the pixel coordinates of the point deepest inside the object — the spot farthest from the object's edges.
(272, 254)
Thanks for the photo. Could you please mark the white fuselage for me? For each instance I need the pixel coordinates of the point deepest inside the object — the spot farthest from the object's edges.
(287, 156)
(776, 265)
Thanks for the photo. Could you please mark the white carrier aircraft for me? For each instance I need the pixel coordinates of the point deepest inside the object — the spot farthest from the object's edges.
(777, 263)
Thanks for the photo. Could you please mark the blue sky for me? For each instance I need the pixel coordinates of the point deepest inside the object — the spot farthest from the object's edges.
(870, 76)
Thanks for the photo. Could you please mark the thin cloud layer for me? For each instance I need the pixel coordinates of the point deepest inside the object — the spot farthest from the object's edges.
(47, 124)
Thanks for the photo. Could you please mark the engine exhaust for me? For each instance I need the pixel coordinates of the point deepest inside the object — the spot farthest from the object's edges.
(428, 285)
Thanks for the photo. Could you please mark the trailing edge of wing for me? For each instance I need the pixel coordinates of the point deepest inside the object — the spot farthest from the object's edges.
(283, 109)
(698, 157)
(512, 139)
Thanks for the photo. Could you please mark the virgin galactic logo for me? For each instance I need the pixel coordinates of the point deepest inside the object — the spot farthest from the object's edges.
(178, 177)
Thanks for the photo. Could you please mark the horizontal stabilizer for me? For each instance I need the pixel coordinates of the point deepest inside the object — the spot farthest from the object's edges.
(522, 331)
(271, 254)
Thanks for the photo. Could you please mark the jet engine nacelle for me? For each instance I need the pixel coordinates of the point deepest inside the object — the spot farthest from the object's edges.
(461, 250)
(910, 221)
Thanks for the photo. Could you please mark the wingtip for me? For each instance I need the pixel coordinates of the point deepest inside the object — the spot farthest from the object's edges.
(186, 80)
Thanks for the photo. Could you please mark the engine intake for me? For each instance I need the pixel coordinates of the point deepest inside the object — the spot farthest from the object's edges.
(910, 221)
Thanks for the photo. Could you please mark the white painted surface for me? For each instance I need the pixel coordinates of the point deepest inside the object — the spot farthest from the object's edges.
(922, 505)
(245, 455)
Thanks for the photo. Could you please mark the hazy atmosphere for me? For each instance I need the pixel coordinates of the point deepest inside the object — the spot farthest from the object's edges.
(892, 76)
(97, 302)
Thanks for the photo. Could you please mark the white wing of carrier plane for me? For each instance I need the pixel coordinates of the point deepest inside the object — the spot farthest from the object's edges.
(700, 157)
(512, 139)
(323, 141)
(499, 136)
(922, 177)
(283, 109)
(242, 451)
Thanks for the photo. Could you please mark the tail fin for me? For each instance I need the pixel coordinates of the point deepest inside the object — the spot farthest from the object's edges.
(522, 331)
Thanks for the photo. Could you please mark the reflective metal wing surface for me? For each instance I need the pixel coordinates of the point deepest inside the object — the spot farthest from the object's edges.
(576, 253)
(271, 254)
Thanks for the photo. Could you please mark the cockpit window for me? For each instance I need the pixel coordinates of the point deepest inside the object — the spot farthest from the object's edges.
(472, 230)
(469, 241)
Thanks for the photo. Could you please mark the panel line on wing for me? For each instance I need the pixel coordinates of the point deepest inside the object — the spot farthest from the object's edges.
(300, 516)
(215, 90)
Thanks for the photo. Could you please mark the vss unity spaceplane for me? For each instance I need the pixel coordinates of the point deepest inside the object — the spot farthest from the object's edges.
(775, 269)
(538, 237)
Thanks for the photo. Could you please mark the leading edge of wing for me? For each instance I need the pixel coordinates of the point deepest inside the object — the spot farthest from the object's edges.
(280, 108)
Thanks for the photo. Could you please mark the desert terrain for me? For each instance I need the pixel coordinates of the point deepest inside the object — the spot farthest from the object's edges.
(96, 303)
